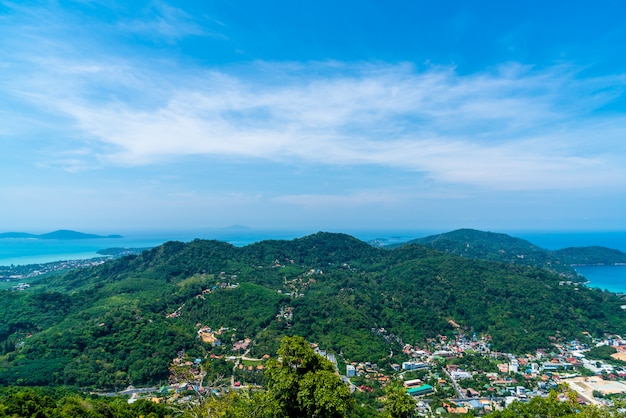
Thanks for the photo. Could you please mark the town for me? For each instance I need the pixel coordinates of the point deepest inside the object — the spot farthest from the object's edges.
(459, 375)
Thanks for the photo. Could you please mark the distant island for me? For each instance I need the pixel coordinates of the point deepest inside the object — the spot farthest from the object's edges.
(61, 234)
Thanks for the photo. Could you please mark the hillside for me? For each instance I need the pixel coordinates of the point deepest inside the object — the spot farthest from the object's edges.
(492, 246)
(124, 321)
(594, 255)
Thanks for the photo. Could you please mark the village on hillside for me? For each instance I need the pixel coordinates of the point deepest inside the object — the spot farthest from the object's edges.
(447, 376)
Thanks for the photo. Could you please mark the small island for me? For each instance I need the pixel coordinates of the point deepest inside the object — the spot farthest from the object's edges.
(61, 234)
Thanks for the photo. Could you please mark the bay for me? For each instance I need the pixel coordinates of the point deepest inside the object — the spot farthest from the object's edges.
(607, 277)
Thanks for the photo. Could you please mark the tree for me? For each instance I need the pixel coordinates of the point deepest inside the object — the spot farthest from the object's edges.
(305, 384)
(398, 403)
(258, 405)
(552, 407)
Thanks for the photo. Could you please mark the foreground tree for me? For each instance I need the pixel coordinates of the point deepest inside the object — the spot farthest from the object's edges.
(231, 405)
(398, 403)
(305, 384)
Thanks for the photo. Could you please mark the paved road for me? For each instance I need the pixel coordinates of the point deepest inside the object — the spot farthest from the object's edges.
(454, 385)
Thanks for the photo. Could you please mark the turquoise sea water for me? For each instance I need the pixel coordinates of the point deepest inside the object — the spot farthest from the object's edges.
(611, 278)
(32, 251)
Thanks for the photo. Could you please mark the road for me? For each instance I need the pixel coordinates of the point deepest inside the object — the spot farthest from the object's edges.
(456, 387)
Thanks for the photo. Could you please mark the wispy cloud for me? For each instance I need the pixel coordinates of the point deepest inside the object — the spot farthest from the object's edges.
(162, 21)
(513, 127)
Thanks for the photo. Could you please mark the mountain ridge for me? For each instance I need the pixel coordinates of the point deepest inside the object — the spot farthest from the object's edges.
(484, 245)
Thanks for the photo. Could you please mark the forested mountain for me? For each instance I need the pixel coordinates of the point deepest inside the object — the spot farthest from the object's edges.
(124, 321)
(483, 245)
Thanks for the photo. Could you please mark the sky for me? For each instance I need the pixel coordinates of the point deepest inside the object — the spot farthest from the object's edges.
(325, 115)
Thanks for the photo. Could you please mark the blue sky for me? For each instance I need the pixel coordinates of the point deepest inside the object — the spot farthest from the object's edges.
(322, 115)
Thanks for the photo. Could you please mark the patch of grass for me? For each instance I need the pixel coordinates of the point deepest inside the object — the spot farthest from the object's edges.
(6, 285)
(196, 278)
(253, 363)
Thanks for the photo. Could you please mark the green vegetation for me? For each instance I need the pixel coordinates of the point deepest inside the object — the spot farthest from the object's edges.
(39, 404)
(398, 403)
(300, 384)
(553, 407)
(506, 249)
(305, 384)
(47, 403)
(603, 352)
(590, 255)
(123, 322)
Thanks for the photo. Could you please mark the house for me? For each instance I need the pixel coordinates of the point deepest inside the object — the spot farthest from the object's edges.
(413, 382)
(472, 393)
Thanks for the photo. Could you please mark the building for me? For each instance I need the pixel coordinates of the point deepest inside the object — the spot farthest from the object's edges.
(412, 383)
(420, 390)
(350, 370)
(549, 367)
(458, 375)
(413, 365)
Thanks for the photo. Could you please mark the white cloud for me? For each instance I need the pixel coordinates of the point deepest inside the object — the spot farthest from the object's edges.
(512, 128)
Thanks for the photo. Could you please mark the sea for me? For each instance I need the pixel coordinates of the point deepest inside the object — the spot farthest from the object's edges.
(23, 251)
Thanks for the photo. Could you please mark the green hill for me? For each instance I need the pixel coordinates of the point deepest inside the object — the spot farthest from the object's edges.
(595, 255)
(492, 246)
(124, 321)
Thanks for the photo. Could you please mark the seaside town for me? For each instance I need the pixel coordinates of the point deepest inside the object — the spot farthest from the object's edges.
(460, 375)
(12, 273)
(30, 271)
